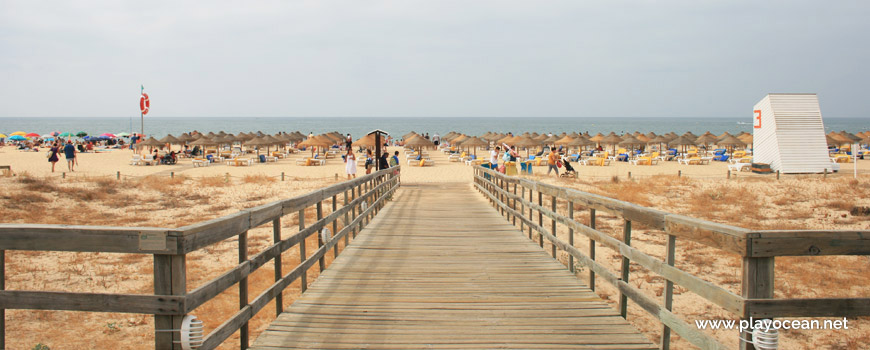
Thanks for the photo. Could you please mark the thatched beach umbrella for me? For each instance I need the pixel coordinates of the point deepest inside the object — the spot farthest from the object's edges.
(171, 140)
(682, 141)
(316, 141)
(527, 143)
(419, 142)
(151, 142)
(611, 139)
(630, 142)
(474, 143)
(706, 139)
(365, 141)
(731, 141)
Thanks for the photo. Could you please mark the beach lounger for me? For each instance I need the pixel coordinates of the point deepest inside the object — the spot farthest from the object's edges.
(149, 160)
(740, 166)
(456, 157)
(424, 162)
(198, 162)
(137, 160)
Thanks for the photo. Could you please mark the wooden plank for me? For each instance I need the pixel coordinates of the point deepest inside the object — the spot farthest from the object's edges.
(720, 236)
(96, 302)
(206, 233)
(809, 243)
(75, 238)
(222, 332)
(815, 307)
(413, 280)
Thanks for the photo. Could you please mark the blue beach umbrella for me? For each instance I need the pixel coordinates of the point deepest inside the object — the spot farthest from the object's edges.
(18, 138)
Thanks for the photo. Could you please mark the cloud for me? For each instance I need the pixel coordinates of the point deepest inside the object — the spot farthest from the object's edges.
(428, 58)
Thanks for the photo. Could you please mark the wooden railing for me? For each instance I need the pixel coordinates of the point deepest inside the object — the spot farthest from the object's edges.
(362, 198)
(515, 198)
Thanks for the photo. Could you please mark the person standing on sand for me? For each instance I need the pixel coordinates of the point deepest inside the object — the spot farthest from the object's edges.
(493, 157)
(69, 151)
(348, 143)
(384, 163)
(551, 162)
(52, 157)
(370, 162)
(350, 163)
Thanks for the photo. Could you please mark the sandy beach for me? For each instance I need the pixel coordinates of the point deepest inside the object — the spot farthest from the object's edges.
(177, 195)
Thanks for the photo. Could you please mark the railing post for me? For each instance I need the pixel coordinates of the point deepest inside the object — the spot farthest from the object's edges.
(358, 210)
(531, 214)
(334, 225)
(276, 237)
(623, 299)
(243, 290)
(514, 204)
(571, 236)
(522, 208)
(669, 292)
(592, 249)
(553, 226)
(541, 216)
(303, 278)
(322, 261)
(346, 221)
(2, 311)
(757, 284)
(169, 279)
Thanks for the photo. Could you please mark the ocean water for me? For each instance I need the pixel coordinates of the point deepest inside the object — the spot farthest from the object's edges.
(358, 126)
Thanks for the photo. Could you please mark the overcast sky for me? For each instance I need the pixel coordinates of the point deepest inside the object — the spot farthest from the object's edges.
(430, 58)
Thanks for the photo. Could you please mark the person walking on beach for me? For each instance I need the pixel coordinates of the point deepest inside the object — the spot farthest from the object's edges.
(69, 151)
(493, 157)
(52, 156)
(551, 162)
(394, 160)
(350, 163)
(436, 139)
(348, 142)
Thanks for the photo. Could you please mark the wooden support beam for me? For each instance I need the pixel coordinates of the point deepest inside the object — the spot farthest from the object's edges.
(276, 237)
(758, 274)
(623, 299)
(669, 291)
(244, 336)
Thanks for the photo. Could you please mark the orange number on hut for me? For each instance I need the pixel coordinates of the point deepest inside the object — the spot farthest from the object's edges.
(757, 119)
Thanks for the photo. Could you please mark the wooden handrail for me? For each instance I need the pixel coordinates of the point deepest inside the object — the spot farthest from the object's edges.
(758, 249)
(171, 300)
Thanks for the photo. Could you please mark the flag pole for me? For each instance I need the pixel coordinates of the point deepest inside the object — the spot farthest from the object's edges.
(141, 114)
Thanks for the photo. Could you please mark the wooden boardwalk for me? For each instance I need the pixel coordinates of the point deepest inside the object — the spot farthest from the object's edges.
(439, 268)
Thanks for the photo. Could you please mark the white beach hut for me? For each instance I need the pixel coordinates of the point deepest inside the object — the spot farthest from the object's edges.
(788, 134)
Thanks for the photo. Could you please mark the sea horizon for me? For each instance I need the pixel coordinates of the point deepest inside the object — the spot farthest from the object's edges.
(397, 126)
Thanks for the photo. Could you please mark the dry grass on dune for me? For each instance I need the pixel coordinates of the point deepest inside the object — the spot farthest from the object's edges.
(148, 201)
(756, 203)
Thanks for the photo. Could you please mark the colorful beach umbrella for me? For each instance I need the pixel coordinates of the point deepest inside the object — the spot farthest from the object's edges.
(32, 134)
(123, 134)
(17, 138)
(81, 134)
(109, 135)
(3, 136)
(19, 133)
(55, 133)
(66, 134)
